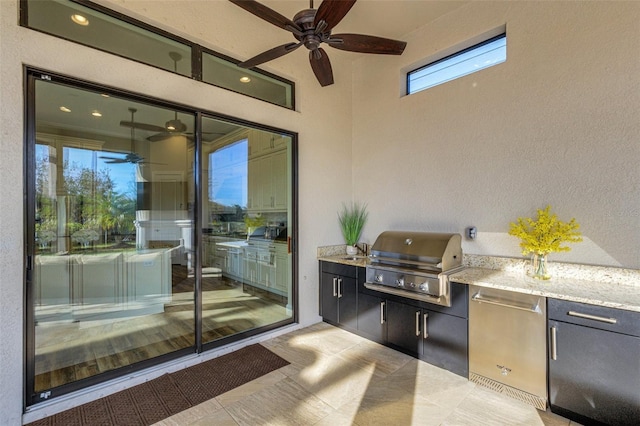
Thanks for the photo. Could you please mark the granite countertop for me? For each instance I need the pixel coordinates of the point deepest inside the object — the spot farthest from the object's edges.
(614, 295)
(596, 285)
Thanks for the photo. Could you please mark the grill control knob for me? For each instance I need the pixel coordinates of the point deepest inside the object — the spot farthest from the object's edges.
(379, 278)
(400, 282)
(424, 287)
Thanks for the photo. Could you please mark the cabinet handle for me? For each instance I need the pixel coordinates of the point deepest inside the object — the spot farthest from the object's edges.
(335, 282)
(592, 317)
(524, 307)
(418, 323)
(382, 312)
(339, 288)
(424, 326)
(554, 344)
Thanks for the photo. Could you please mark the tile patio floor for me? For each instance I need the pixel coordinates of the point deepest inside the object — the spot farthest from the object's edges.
(337, 378)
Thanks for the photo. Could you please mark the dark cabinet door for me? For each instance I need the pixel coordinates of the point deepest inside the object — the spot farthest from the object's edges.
(339, 300)
(403, 327)
(347, 302)
(329, 297)
(594, 373)
(371, 317)
(444, 342)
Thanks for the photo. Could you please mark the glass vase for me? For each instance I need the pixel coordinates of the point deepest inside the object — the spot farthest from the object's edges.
(539, 267)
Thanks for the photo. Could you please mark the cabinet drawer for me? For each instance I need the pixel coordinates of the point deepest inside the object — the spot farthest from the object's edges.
(600, 317)
(339, 269)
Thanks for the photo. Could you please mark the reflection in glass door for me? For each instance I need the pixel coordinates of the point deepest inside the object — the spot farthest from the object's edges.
(246, 213)
(113, 240)
(113, 249)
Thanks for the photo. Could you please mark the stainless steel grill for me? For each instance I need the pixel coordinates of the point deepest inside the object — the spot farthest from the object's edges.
(416, 265)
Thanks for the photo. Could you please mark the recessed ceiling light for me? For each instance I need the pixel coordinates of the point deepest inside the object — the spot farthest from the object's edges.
(64, 109)
(80, 20)
(96, 113)
(104, 95)
(245, 79)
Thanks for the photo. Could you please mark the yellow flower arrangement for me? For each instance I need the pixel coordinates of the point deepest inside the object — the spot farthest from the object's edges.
(254, 222)
(546, 234)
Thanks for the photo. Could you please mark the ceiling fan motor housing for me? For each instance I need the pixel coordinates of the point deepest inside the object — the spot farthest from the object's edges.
(304, 19)
(175, 126)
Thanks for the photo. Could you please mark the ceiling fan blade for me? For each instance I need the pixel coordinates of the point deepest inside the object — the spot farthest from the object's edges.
(143, 126)
(113, 160)
(321, 66)
(161, 136)
(332, 12)
(269, 15)
(366, 44)
(269, 55)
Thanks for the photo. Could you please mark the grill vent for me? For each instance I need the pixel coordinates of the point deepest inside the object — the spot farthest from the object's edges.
(527, 398)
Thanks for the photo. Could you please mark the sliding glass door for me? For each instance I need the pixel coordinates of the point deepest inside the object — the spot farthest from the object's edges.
(246, 211)
(113, 232)
(115, 261)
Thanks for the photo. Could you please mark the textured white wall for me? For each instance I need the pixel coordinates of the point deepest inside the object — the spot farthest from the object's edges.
(322, 119)
(558, 123)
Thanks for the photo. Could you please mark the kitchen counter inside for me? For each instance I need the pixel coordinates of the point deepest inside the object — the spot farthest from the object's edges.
(596, 285)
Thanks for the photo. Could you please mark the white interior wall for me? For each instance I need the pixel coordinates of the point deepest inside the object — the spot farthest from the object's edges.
(557, 123)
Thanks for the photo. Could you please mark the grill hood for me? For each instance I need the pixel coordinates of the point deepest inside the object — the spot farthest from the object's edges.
(421, 250)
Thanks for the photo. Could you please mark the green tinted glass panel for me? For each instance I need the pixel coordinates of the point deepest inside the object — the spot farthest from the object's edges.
(92, 28)
(228, 75)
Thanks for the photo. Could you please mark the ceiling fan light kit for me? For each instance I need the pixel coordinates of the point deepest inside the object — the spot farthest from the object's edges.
(313, 27)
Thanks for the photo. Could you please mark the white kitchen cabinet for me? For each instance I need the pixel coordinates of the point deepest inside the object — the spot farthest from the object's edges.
(268, 189)
(259, 188)
(263, 143)
(281, 269)
(279, 187)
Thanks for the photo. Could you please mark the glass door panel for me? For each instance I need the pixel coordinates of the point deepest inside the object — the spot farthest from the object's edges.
(113, 267)
(246, 210)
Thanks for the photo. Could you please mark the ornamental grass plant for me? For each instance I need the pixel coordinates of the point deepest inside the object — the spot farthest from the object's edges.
(352, 219)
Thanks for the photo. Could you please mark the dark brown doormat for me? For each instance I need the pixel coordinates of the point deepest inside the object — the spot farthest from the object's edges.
(169, 394)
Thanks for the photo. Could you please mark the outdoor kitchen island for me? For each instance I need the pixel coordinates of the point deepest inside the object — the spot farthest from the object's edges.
(593, 319)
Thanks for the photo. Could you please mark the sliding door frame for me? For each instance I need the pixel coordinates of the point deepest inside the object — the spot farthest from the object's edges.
(31, 75)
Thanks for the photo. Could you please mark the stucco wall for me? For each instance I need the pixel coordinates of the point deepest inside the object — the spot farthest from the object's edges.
(558, 123)
(322, 119)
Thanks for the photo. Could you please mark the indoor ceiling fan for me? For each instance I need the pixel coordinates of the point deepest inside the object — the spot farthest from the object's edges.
(313, 27)
(172, 127)
(131, 157)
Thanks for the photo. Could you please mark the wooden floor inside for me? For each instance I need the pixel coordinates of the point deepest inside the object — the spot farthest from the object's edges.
(70, 351)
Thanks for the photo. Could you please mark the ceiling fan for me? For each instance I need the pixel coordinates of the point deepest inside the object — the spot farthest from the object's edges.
(131, 157)
(313, 27)
(171, 127)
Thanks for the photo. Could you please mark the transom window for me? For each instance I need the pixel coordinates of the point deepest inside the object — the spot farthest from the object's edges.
(475, 58)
